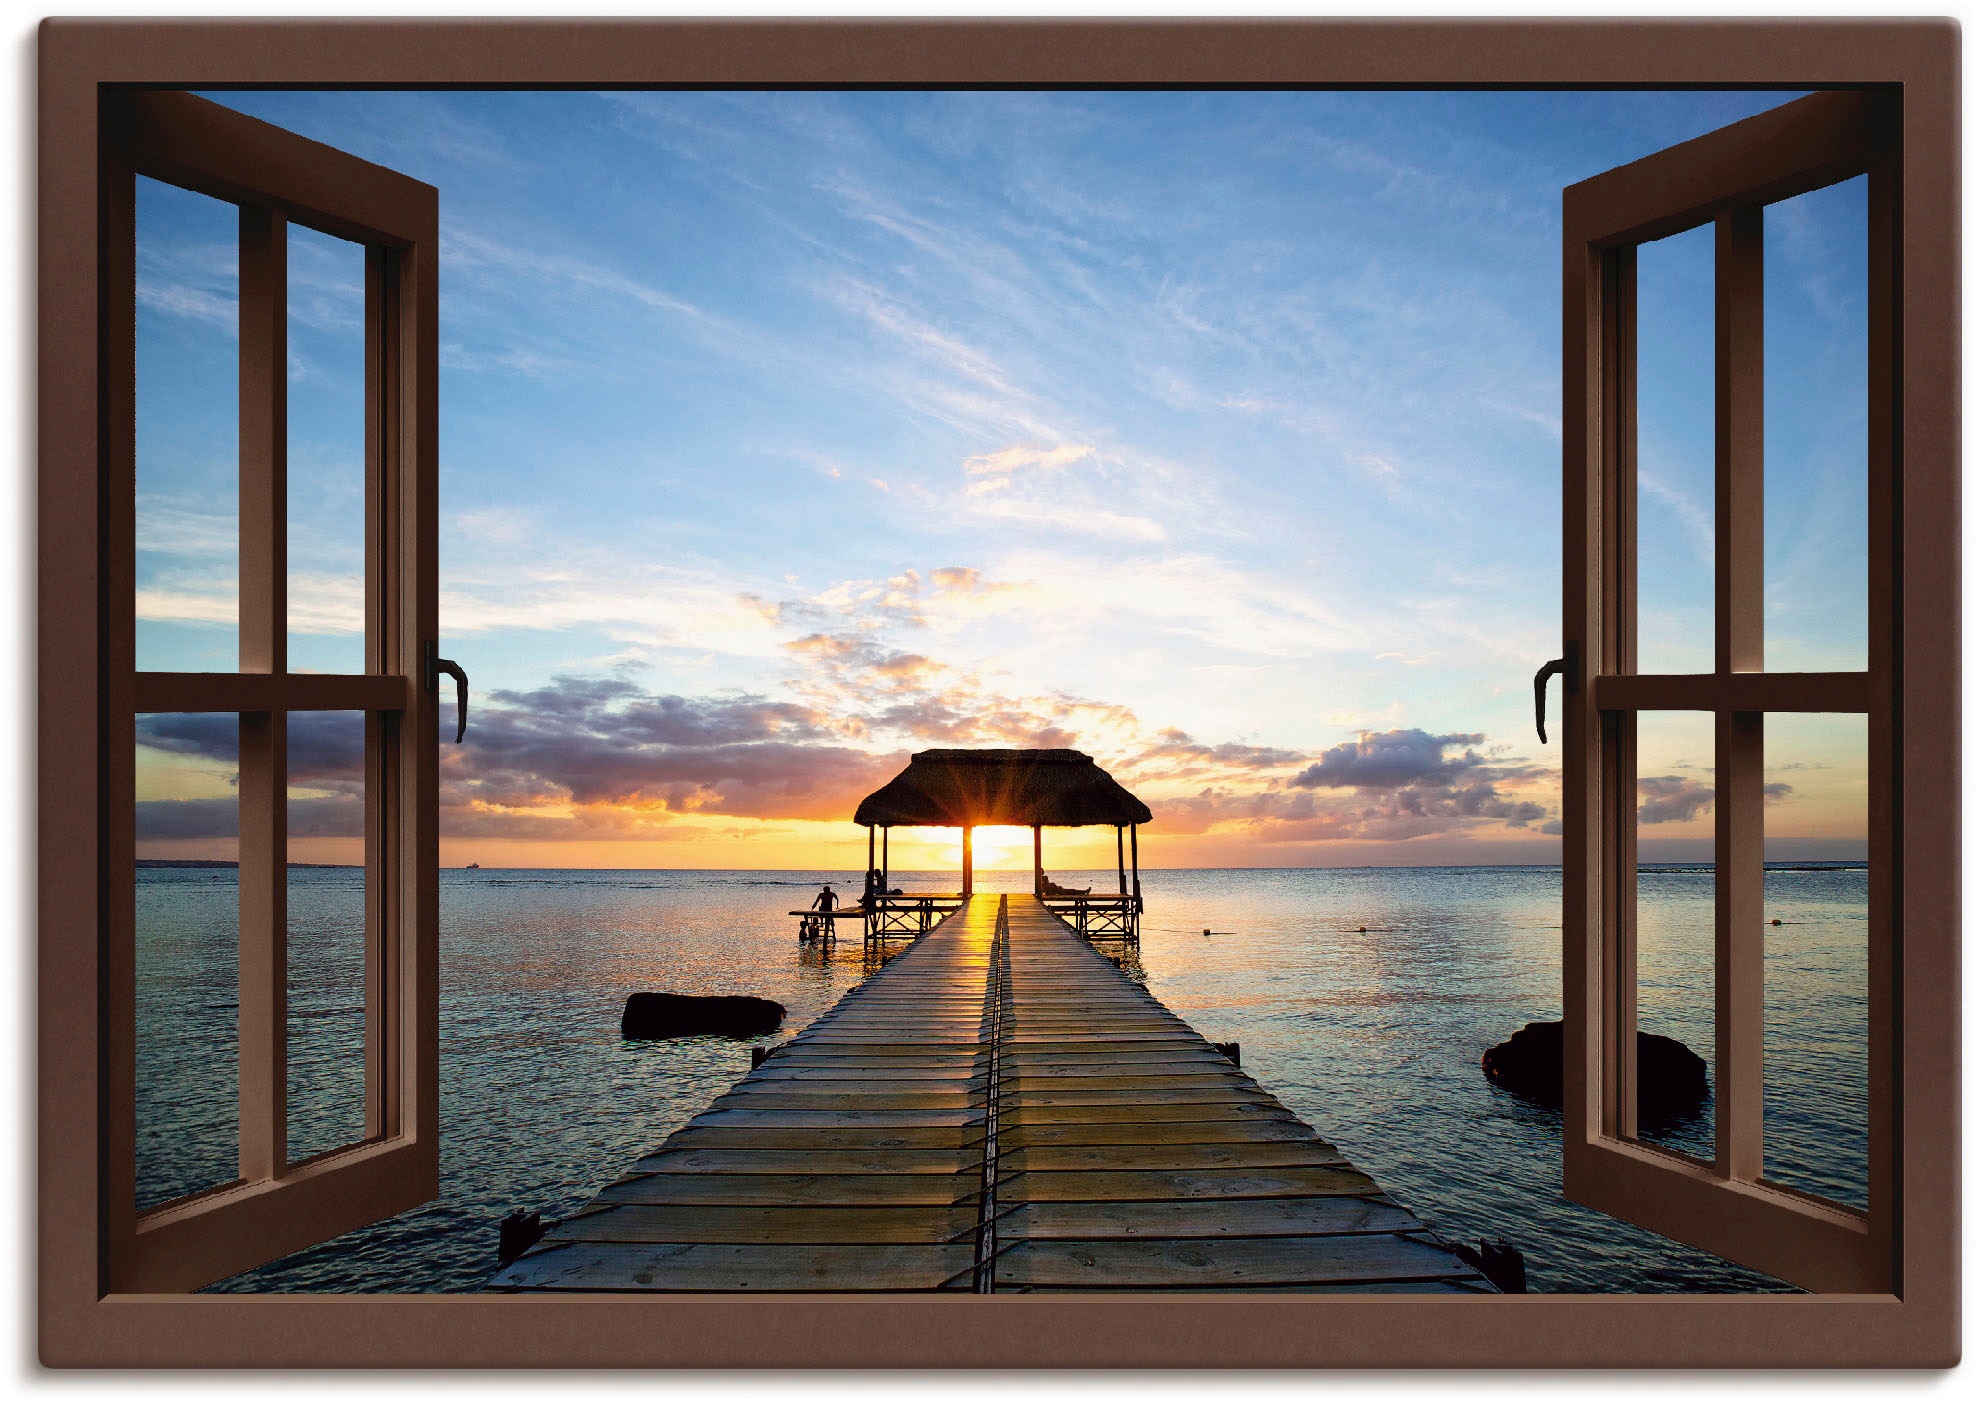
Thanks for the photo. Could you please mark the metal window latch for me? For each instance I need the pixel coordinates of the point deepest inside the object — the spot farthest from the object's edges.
(436, 665)
(1573, 680)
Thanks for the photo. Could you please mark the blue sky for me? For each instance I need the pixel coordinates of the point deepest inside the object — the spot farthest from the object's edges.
(1216, 434)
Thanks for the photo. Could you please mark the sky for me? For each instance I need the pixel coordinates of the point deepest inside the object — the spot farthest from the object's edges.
(1214, 434)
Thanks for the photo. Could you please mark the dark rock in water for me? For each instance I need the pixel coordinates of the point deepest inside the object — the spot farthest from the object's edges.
(1673, 1080)
(683, 1015)
(1500, 1262)
(518, 1233)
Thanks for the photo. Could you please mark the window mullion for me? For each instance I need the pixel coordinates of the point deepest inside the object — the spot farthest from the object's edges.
(1739, 647)
(1620, 1105)
(381, 424)
(1884, 1092)
(1739, 944)
(264, 611)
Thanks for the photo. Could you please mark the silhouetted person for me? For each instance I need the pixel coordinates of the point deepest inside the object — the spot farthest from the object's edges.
(826, 900)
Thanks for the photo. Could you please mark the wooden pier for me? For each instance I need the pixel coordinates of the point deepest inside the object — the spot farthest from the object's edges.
(997, 1109)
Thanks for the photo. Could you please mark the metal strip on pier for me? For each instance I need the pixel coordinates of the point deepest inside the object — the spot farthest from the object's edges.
(988, 1191)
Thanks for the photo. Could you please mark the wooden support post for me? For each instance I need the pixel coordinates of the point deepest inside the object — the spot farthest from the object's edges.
(1121, 888)
(967, 862)
(1039, 872)
(870, 904)
(1136, 887)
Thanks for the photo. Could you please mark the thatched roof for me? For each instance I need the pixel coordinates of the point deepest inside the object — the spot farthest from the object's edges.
(960, 788)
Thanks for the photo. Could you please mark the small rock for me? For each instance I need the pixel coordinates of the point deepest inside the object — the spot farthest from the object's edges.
(650, 1015)
(1500, 1262)
(518, 1233)
(1673, 1080)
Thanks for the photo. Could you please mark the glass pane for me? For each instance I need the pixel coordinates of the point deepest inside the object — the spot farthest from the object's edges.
(1815, 954)
(326, 453)
(1676, 914)
(326, 931)
(187, 441)
(188, 924)
(1676, 409)
(1815, 431)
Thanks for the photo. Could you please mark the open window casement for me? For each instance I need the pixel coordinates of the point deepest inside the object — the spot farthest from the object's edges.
(277, 1205)
(1724, 179)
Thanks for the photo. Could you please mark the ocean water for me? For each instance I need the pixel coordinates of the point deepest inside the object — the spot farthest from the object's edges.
(1362, 998)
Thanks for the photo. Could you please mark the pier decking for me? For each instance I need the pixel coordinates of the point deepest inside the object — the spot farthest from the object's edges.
(998, 1109)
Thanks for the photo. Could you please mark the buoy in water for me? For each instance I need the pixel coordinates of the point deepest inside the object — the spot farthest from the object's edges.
(1777, 922)
(1207, 931)
(1362, 931)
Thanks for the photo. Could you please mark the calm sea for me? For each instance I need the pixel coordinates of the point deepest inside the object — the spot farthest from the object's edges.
(1362, 998)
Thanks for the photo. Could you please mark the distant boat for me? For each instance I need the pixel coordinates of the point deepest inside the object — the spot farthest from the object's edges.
(473, 866)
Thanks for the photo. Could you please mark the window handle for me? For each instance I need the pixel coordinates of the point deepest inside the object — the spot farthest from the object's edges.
(436, 665)
(1568, 665)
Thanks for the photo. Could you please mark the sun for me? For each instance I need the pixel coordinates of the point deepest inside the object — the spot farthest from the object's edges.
(1002, 848)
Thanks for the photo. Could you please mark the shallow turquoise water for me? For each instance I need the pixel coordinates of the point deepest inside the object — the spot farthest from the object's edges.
(1374, 1036)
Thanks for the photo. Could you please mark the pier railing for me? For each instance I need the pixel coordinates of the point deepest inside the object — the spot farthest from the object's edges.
(908, 915)
(1106, 916)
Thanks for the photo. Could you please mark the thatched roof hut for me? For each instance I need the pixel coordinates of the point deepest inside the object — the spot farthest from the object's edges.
(1018, 788)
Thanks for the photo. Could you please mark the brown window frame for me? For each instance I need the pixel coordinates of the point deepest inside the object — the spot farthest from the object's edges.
(83, 1324)
(1724, 179)
(276, 1206)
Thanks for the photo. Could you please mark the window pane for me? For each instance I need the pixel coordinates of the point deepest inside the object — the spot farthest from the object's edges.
(1676, 411)
(1815, 960)
(1815, 431)
(1676, 922)
(187, 441)
(326, 453)
(188, 924)
(326, 931)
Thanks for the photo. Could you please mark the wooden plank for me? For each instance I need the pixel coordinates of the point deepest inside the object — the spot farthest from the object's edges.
(843, 1119)
(820, 1225)
(770, 1074)
(781, 1099)
(1023, 1135)
(1134, 1186)
(795, 1190)
(1263, 1109)
(1317, 1216)
(1050, 1048)
(1050, 1072)
(1243, 1263)
(1172, 1095)
(664, 1266)
(806, 1160)
(1026, 1087)
(1042, 1063)
(1382, 1287)
(707, 1136)
(1170, 1157)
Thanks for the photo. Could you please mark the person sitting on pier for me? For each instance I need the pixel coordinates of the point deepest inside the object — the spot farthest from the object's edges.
(871, 888)
(825, 901)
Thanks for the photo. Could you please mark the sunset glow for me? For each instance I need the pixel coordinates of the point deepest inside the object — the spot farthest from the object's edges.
(1216, 435)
